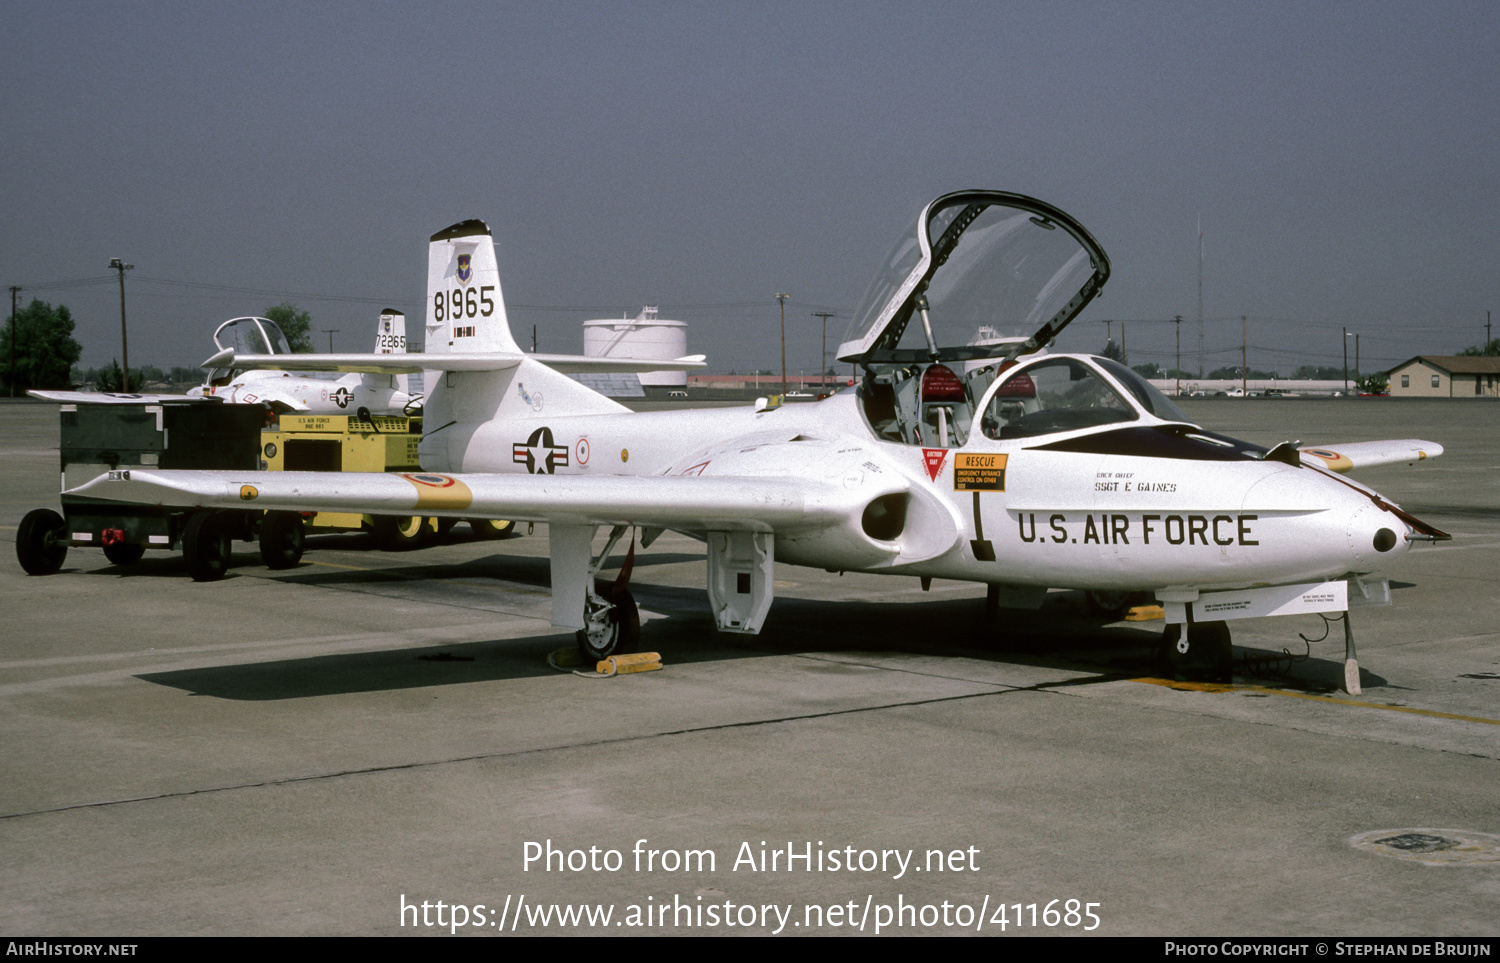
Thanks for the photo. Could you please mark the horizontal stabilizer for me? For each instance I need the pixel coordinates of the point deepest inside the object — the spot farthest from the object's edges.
(577, 363)
(469, 361)
(364, 363)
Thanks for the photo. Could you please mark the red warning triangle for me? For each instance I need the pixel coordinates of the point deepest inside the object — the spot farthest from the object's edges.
(935, 457)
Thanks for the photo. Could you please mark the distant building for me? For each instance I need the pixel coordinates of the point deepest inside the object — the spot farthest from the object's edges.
(1446, 376)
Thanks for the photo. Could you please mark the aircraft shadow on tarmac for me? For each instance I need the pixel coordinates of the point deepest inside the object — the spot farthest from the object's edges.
(246, 558)
(1063, 634)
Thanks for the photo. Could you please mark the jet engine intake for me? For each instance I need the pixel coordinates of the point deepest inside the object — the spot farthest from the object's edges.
(884, 519)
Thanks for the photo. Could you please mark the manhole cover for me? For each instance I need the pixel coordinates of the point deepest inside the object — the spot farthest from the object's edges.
(1435, 847)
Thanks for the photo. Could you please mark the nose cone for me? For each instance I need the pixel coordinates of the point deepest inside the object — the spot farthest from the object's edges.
(1375, 537)
(1330, 524)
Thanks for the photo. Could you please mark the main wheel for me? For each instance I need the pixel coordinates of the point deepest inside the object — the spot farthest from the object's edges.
(41, 542)
(281, 535)
(612, 632)
(398, 533)
(205, 547)
(1112, 604)
(124, 553)
(490, 527)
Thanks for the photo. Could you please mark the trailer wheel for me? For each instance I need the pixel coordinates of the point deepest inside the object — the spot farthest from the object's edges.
(490, 527)
(205, 547)
(124, 553)
(41, 542)
(398, 533)
(281, 535)
(612, 632)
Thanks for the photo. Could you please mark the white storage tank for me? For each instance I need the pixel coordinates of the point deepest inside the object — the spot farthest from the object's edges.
(644, 336)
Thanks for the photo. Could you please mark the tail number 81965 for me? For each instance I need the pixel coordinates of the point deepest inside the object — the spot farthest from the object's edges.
(463, 303)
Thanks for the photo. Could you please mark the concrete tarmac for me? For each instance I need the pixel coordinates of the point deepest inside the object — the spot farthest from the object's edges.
(307, 752)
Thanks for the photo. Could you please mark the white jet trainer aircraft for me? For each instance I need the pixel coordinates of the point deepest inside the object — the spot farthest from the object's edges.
(232, 382)
(379, 393)
(981, 462)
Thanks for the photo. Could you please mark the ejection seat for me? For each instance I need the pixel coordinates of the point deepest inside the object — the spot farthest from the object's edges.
(947, 412)
(917, 406)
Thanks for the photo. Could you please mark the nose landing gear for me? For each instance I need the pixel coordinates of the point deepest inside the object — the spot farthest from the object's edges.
(1202, 653)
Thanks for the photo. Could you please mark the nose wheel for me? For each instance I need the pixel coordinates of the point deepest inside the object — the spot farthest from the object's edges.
(1198, 652)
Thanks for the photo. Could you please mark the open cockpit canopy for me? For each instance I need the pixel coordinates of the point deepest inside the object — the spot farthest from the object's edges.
(260, 336)
(986, 274)
(251, 336)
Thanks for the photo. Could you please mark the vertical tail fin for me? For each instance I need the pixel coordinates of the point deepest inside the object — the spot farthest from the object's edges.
(466, 315)
(390, 338)
(465, 308)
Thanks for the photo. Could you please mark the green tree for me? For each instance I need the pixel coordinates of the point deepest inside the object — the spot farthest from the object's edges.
(111, 378)
(296, 325)
(1322, 372)
(1373, 384)
(1490, 350)
(1149, 370)
(44, 347)
(1233, 371)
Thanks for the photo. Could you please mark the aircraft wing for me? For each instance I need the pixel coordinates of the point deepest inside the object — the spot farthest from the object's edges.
(1363, 454)
(113, 398)
(762, 504)
(443, 361)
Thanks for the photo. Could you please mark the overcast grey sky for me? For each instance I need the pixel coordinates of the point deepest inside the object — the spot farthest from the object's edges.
(704, 156)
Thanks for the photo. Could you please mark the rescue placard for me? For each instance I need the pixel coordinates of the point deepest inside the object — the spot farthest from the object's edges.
(976, 472)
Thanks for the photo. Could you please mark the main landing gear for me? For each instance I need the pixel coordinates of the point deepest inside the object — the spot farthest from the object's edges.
(612, 625)
(1115, 604)
(611, 621)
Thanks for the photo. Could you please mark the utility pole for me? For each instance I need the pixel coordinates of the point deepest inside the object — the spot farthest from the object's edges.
(15, 290)
(330, 332)
(120, 266)
(1177, 372)
(823, 359)
(1345, 339)
(781, 298)
(1244, 359)
(1200, 295)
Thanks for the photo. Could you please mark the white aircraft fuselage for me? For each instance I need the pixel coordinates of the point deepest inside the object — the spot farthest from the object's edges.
(1056, 519)
(288, 392)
